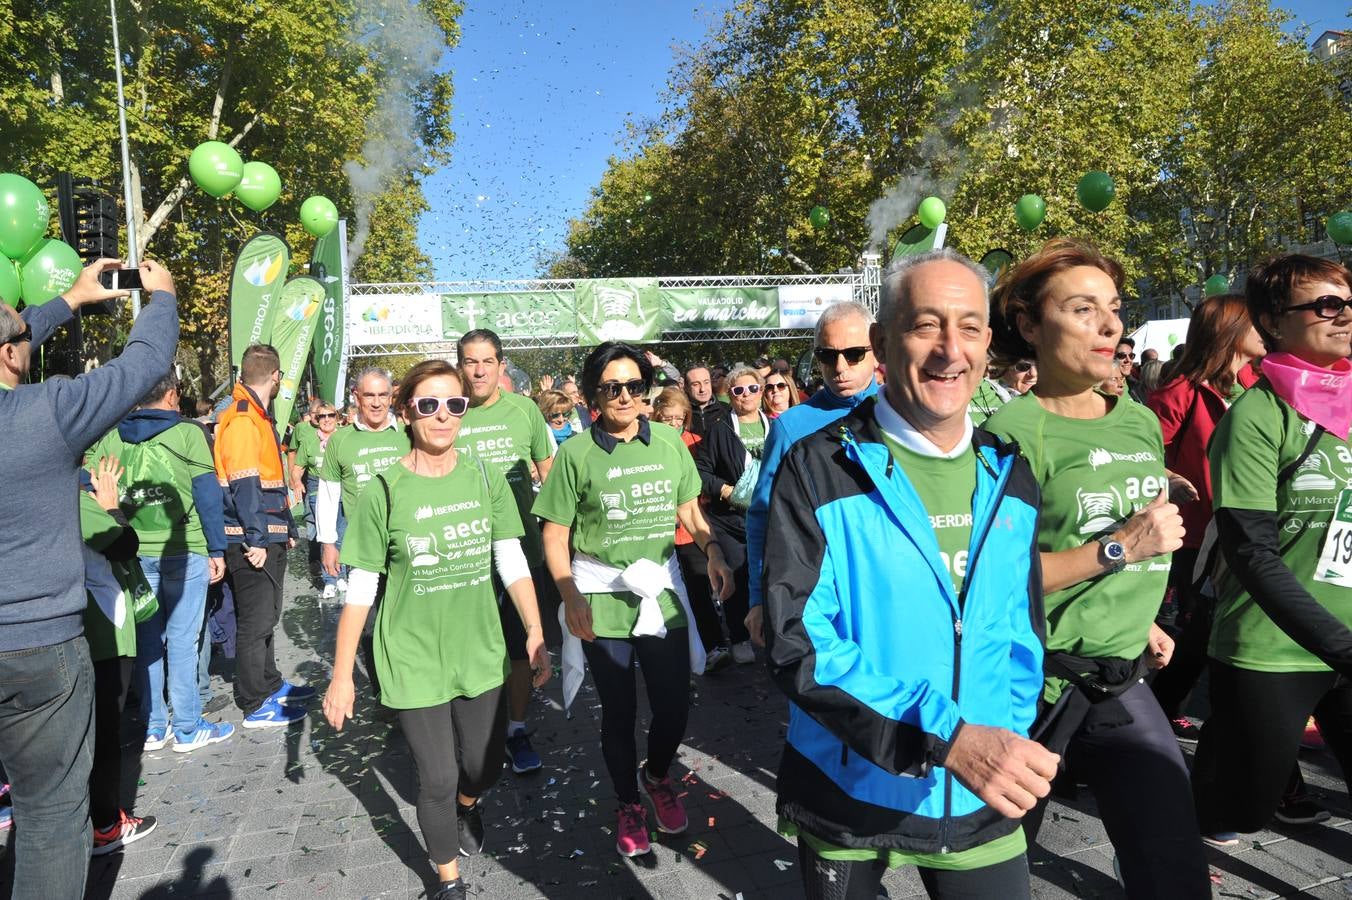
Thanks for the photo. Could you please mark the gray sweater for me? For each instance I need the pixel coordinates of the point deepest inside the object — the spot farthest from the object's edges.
(44, 431)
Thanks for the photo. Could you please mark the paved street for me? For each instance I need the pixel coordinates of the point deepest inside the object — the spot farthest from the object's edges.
(313, 813)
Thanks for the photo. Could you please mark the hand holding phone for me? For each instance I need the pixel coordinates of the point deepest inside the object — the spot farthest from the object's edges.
(121, 279)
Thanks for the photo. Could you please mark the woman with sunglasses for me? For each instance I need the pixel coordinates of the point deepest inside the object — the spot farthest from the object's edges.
(728, 460)
(780, 393)
(558, 412)
(1281, 466)
(612, 496)
(432, 526)
(1105, 531)
(310, 445)
(1003, 385)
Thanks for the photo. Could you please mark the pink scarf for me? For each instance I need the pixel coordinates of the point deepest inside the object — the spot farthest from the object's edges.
(1324, 396)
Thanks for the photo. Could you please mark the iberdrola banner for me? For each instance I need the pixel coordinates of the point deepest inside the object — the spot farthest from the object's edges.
(620, 309)
(293, 327)
(258, 275)
(329, 264)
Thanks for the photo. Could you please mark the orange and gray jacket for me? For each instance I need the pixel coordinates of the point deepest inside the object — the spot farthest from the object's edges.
(250, 469)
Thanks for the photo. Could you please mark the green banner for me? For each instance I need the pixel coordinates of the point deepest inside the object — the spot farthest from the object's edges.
(721, 309)
(620, 309)
(329, 265)
(293, 327)
(919, 239)
(521, 314)
(258, 275)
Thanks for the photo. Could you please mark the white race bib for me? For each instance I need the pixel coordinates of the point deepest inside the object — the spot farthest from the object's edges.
(1335, 560)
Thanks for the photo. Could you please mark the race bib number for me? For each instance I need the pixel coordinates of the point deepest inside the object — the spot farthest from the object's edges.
(1335, 561)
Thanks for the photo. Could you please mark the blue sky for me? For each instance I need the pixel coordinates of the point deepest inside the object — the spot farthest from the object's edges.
(543, 92)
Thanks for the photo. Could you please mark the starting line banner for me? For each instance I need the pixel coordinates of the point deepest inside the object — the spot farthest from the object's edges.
(629, 309)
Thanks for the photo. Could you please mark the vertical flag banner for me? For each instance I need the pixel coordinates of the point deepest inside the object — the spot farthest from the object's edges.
(919, 239)
(293, 327)
(329, 266)
(620, 309)
(257, 278)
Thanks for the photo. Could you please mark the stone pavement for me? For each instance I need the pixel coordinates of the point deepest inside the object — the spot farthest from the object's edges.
(312, 813)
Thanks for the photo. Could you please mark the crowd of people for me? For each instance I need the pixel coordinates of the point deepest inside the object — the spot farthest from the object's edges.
(986, 556)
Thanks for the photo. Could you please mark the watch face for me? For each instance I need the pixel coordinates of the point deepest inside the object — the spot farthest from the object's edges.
(1114, 551)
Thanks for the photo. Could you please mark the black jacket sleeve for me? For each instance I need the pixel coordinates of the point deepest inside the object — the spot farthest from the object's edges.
(1248, 538)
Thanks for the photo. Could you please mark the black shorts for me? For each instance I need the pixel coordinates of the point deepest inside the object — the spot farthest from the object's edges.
(546, 596)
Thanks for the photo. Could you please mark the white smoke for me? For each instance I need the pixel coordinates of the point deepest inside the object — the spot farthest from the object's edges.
(405, 46)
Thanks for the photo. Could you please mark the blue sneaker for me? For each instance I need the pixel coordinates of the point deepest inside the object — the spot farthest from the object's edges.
(524, 757)
(205, 733)
(6, 817)
(156, 738)
(293, 693)
(273, 715)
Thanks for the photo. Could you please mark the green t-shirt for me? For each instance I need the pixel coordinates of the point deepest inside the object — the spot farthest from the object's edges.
(309, 451)
(185, 456)
(621, 507)
(1095, 474)
(437, 631)
(98, 529)
(354, 455)
(509, 435)
(752, 435)
(945, 487)
(1259, 437)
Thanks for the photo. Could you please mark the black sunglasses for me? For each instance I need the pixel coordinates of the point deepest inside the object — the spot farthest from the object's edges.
(741, 389)
(557, 415)
(428, 406)
(25, 335)
(827, 355)
(1023, 365)
(776, 386)
(326, 415)
(611, 389)
(1329, 306)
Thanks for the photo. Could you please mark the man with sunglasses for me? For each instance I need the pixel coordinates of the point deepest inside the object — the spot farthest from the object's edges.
(46, 678)
(507, 432)
(847, 365)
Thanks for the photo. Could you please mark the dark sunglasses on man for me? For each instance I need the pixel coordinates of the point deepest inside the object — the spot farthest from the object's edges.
(428, 406)
(1023, 365)
(611, 389)
(1330, 306)
(827, 355)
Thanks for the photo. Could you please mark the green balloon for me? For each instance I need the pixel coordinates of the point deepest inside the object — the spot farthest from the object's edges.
(318, 215)
(820, 217)
(259, 186)
(215, 167)
(931, 212)
(1029, 211)
(23, 215)
(1095, 191)
(1216, 284)
(1339, 227)
(9, 283)
(48, 271)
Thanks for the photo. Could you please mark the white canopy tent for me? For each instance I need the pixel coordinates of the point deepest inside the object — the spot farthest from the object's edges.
(1161, 335)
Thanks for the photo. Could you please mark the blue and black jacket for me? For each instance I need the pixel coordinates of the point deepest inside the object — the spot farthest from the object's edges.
(881, 660)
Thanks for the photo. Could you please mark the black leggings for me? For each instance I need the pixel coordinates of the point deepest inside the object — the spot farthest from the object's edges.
(665, 662)
(1249, 746)
(825, 879)
(1140, 781)
(695, 573)
(111, 678)
(458, 748)
(1191, 632)
(736, 606)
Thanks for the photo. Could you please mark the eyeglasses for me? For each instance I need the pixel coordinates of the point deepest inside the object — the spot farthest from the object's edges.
(611, 389)
(1122, 356)
(326, 415)
(25, 335)
(776, 386)
(675, 421)
(556, 416)
(741, 389)
(428, 406)
(1023, 365)
(1327, 307)
(827, 355)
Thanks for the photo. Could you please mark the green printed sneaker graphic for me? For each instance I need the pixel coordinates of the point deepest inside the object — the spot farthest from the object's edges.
(614, 505)
(1312, 474)
(1098, 511)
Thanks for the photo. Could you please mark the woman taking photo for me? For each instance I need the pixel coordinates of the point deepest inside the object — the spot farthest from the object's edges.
(612, 495)
(432, 526)
(1214, 370)
(1281, 646)
(780, 393)
(1105, 533)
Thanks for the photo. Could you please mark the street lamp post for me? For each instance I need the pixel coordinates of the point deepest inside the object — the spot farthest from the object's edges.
(133, 252)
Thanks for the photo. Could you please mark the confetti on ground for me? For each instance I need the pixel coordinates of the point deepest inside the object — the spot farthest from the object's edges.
(783, 864)
(711, 821)
(699, 849)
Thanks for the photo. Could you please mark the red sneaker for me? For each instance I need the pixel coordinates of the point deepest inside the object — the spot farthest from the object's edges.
(127, 829)
(1312, 739)
(632, 835)
(671, 818)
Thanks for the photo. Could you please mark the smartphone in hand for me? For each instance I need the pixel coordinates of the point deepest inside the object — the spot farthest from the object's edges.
(121, 279)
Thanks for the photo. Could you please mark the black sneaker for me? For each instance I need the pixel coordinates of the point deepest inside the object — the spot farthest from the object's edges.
(1184, 730)
(1300, 810)
(215, 704)
(451, 890)
(470, 822)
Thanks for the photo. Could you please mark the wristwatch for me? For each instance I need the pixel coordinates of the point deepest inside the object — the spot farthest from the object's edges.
(1113, 551)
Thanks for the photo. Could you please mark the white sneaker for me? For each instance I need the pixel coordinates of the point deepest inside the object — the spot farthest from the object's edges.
(342, 585)
(743, 653)
(330, 591)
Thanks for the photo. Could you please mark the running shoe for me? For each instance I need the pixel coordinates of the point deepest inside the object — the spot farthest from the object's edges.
(204, 734)
(6, 818)
(1221, 839)
(469, 822)
(215, 704)
(293, 693)
(631, 837)
(667, 808)
(1184, 730)
(156, 738)
(273, 715)
(126, 830)
(524, 757)
(743, 653)
(717, 659)
(1312, 739)
(330, 591)
(1300, 810)
(451, 890)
